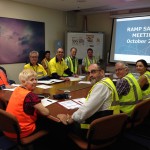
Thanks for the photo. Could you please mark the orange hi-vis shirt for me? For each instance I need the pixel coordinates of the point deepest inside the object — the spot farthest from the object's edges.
(15, 107)
(3, 78)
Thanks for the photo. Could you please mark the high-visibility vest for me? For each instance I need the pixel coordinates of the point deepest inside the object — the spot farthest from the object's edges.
(128, 102)
(146, 93)
(26, 122)
(115, 107)
(73, 68)
(88, 62)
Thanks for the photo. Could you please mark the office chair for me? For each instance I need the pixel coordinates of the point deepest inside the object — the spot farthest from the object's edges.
(102, 132)
(137, 131)
(140, 112)
(2, 105)
(9, 123)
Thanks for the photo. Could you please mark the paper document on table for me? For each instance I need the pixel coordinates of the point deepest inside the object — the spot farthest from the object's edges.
(52, 81)
(85, 82)
(76, 78)
(81, 77)
(69, 104)
(80, 100)
(46, 101)
(44, 86)
(10, 89)
(15, 84)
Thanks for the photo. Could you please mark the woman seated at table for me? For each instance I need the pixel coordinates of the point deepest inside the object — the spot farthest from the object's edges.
(26, 105)
(144, 79)
(3, 80)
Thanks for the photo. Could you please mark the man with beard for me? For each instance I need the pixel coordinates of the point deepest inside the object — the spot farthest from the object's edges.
(102, 100)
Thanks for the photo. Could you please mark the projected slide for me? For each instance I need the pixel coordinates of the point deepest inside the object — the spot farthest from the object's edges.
(131, 39)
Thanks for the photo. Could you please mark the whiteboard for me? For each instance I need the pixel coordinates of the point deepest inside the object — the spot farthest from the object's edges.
(83, 41)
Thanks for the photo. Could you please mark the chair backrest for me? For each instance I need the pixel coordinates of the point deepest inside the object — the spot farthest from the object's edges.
(9, 123)
(106, 130)
(2, 105)
(140, 112)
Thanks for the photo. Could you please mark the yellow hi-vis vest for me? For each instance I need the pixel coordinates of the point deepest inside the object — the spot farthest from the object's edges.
(128, 102)
(146, 93)
(88, 62)
(69, 63)
(44, 63)
(115, 98)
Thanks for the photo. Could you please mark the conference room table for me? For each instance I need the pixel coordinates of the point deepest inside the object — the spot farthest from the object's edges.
(77, 90)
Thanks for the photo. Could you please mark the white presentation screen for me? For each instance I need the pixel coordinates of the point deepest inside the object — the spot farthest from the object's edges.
(130, 39)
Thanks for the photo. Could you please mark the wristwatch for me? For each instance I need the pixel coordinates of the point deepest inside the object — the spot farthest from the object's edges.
(67, 121)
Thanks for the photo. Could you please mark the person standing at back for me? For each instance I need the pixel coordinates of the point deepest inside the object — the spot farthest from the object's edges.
(72, 61)
(144, 79)
(89, 59)
(45, 62)
(128, 88)
(34, 65)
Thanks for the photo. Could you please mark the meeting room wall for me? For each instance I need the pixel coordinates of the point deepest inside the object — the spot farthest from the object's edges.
(55, 27)
(103, 22)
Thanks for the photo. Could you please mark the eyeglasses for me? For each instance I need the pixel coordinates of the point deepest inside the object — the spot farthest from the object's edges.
(92, 72)
(34, 56)
(119, 69)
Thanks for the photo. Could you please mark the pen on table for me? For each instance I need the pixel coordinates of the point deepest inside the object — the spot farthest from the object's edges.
(49, 100)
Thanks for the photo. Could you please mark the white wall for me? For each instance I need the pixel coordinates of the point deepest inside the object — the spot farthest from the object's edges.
(55, 27)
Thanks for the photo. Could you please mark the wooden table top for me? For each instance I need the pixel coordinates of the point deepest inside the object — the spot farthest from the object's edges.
(76, 91)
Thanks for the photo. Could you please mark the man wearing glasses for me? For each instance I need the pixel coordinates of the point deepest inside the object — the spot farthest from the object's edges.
(34, 65)
(128, 88)
(102, 100)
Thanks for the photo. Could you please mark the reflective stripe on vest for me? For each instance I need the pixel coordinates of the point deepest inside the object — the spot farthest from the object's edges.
(84, 126)
(114, 102)
(135, 94)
